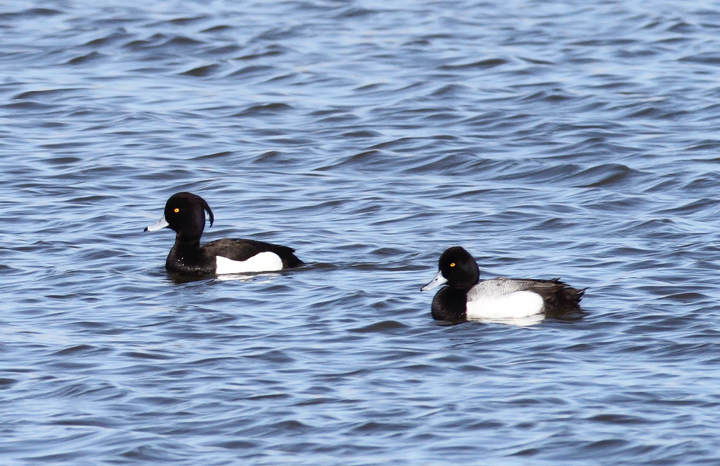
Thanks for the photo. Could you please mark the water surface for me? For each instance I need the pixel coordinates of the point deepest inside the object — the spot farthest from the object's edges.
(548, 139)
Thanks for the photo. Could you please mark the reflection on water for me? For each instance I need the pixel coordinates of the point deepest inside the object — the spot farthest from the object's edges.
(526, 321)
(263, 278)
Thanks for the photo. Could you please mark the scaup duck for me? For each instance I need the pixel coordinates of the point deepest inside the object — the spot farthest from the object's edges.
(185, 214)
(467, 298)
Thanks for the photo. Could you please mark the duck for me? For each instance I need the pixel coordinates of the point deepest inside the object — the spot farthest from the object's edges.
(185, 214)
(466, 297)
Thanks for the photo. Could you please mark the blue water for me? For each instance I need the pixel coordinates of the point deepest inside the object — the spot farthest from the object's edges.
(547, 138)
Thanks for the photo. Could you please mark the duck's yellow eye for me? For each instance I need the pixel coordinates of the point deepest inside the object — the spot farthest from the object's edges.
(452, 264)
(176, 210)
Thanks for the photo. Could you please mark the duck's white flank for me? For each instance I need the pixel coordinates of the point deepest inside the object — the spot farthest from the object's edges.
(514, 305)
(263, 262)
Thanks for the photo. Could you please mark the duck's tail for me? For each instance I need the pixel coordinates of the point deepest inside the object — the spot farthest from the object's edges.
(562, 299)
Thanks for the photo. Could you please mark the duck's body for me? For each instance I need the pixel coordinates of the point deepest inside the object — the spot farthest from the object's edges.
(226, 256)
(185, 214)
(468, 298)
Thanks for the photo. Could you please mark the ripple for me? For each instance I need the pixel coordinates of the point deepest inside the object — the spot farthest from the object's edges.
(202, 71)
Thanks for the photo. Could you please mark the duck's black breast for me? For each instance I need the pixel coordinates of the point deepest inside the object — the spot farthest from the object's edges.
(450, 304)
(189, 259)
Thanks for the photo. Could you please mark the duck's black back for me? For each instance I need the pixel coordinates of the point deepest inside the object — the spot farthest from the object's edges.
(244, 249)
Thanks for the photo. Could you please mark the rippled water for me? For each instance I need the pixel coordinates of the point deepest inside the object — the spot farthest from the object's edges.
(547, 138)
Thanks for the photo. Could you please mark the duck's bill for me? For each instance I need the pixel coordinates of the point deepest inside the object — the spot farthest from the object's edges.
(435, 282)
(159, 225)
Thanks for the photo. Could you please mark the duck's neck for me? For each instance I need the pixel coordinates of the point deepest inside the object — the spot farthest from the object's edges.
(192, 241)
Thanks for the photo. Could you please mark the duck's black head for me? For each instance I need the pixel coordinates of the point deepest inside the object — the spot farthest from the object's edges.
(185, 213)
(459, 268)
